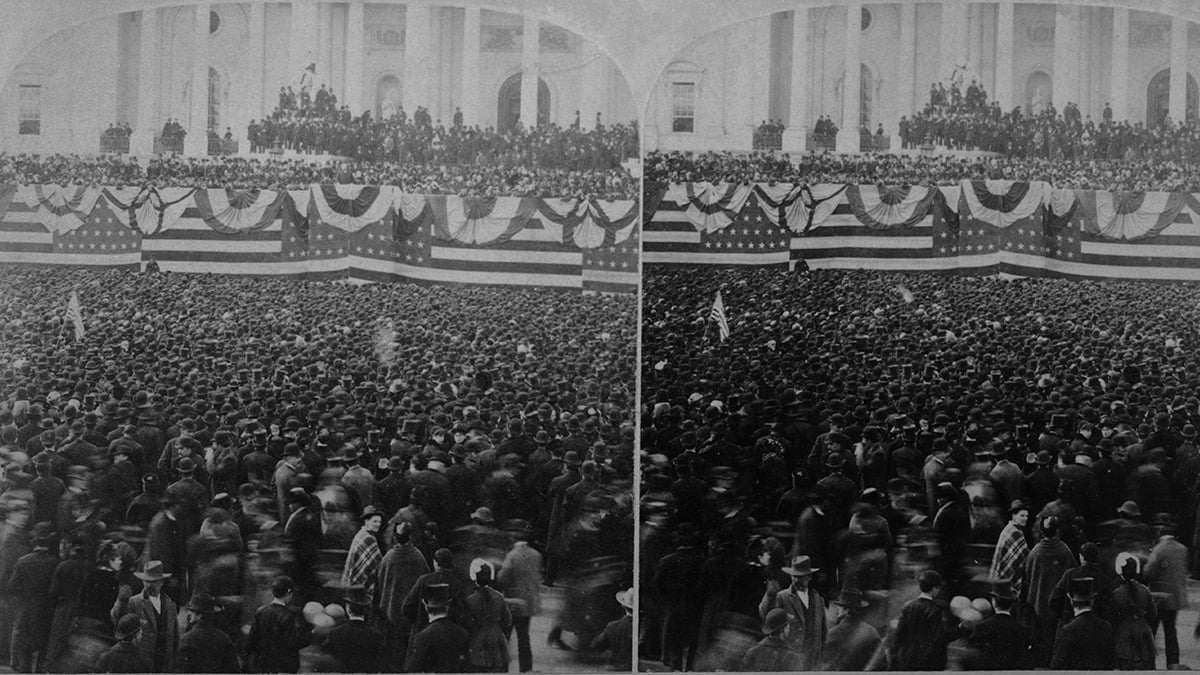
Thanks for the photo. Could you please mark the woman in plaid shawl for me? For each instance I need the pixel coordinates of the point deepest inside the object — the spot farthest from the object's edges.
(1011, 548)
(362, 562)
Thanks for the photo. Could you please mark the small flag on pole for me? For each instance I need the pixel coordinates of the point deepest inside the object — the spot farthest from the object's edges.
(718, 314)
(75, 315)
(905, 294)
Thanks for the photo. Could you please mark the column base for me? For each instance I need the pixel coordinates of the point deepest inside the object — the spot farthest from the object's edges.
(895, 144)
(848, 141)
(141, 143)
(195, 144)
(795, 141)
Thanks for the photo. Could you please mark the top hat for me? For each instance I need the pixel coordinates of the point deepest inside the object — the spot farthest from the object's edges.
(436, 595)
(801, 567)
(1081, 588)
(1003, 590)
(357, 596)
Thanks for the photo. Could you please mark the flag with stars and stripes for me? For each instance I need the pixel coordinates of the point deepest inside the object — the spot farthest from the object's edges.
(750, 239)
(718, 314)
(100, 240)
(612, 269)
(75, 315)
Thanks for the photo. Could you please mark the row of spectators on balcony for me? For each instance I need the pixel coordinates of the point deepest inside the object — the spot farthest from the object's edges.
(318, 126)
(243, 173)
(966, 121)
(115, 138)
(891, 169)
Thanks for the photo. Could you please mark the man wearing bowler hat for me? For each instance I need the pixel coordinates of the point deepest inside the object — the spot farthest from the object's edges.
(29, 587)
(617, 636)
(205, 648)
(159, 635)
(1086, 642)
(772, 654)
(440, 647)
(851, 642)
(805, 610)
(125, 657)
(1001, 642)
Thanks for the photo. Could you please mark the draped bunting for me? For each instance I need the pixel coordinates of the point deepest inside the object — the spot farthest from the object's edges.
(480, 220)
(353, 207)
(169, 205)
(234, 212)
(1131, 215)
(131, 205)
(950, 195)
(1001, 203)
(881, 208)
(710, 207)
(60, 208)
(798, 207)
(591, 224)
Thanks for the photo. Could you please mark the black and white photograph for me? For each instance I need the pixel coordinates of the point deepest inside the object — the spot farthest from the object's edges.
(918, 352)
(318, 333)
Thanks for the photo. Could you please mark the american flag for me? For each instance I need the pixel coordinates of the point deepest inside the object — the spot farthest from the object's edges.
(75, 315)
(845, 242)
(612, 269)
(102, 240)
(718, 314)
(190, 245)
(750, 239)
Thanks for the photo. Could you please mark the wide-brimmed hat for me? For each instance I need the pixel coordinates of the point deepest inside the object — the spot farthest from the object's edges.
(152, 571)
(776, 620)
(801, 567)
(1130, 508)
(852, 598)
(625, 598)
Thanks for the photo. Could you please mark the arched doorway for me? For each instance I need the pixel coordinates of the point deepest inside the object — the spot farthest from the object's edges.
(387, 97)
(1158, 98)
(1039, 92)
(508, 106)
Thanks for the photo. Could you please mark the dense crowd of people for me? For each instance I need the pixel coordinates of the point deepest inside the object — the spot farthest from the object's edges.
(297, 173)
(916, 472)
(892, 169)
(229, 474)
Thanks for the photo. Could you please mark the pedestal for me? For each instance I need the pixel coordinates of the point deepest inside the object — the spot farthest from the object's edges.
(848, 141)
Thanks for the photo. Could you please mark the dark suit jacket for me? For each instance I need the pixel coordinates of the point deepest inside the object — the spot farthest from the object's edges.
(124, 657)
(1086, 643)
(771, 655)
(1003, 643)
(440, 648)
(921, 637)
(207, 649)
(357, 647)
(276, 636)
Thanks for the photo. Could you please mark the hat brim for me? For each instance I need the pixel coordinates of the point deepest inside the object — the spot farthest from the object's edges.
(861, 604)
(147, 577)
(792, 571)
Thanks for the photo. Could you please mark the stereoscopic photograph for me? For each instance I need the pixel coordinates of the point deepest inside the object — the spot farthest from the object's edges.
(918, 367)
(317, 338)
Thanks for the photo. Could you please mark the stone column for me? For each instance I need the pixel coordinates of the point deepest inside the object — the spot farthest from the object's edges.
(954, 37)
(255, 64)
(1177, 105)
(796, 134)
(975, 41)
(303, 46)
(1066, 52)
(196, 141)
(354, 57)
(1004, 56)
(417, 43)
(530, 39)
(324, 74)
(592, 88)
(147, 123)
(472, 34)
(848, 138)
(1118, 95)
